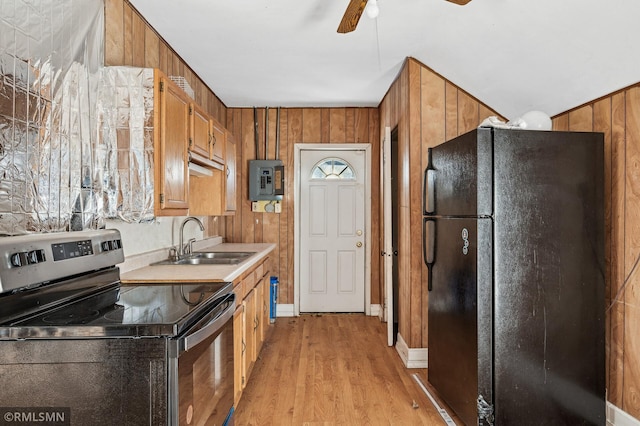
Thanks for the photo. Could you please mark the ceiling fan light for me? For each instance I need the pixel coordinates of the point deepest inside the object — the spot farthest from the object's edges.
(372, 9)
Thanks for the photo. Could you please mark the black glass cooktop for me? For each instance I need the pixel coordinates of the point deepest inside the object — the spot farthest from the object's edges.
(141, 310)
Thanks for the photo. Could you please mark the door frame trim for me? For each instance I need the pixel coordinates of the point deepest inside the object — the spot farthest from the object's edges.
(298, 148)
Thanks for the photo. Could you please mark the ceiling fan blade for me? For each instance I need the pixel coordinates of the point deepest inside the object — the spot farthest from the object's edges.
(352, 16)
(460, 2)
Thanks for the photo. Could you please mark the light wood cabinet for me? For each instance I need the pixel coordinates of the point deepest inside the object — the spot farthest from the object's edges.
(216, 195)
(230, 171)
(207, 194)
(171, 125)
(250, 327)
(200, 131)
(218, 142)
(238, 353)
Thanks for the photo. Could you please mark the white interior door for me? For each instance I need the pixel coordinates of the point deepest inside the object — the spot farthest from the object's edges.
(332, 230)
(388, 243)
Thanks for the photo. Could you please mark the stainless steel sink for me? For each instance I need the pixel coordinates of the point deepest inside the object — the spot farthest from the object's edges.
(209, 258)
(222, 254)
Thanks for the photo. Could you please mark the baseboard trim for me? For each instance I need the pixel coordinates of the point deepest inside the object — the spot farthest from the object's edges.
(284, 310)
(374, 310)
(619, 417)
(412, 357)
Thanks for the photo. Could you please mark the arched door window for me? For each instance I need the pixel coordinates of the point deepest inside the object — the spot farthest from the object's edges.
(333, 168)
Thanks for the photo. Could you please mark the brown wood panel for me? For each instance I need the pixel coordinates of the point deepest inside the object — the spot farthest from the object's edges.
(433, 110)
(248, 153)
(484, 112)
(273, 125)
(337, 125)
(369, 129)
(451, 111)
(325, 126)
(581, 119)
(415, 196)
(128, 35)
(631, 376)
(467, 112)
(363, 131)
(164, 58)
(285, 260)
(602, 123)
(114, 35)
(350, 126)
(295, 134)
(561, 122)
(151, 48)
(138, 40)
(311, 121)
(616, 307)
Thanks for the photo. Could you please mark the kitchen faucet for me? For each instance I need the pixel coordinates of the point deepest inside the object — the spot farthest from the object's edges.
(181, 247)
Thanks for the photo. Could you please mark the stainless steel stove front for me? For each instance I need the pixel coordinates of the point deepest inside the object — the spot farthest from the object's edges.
(71, 343)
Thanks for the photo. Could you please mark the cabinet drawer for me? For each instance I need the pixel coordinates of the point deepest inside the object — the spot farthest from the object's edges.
(259, 272)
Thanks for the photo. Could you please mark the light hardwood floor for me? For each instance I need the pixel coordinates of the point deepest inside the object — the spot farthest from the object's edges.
(333, 370)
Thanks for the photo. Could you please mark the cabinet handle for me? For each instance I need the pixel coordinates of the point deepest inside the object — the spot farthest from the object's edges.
(244, 346)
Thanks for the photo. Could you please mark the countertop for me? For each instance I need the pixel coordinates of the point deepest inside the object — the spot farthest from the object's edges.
(153, 274)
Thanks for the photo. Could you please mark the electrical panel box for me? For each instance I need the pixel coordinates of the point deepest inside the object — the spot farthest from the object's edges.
(266, 180)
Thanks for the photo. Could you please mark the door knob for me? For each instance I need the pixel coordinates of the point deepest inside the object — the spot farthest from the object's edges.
(359, 232)
(358, 244)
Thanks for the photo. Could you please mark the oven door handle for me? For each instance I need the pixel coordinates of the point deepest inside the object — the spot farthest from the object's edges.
(213, 326)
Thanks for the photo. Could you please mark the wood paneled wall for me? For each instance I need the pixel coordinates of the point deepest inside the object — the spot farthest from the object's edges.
(130, 40)
(428, 110)
(618, 117)
(297, 125)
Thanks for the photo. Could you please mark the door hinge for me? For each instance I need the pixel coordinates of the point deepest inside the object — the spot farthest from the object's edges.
(190, 142)
(161, 198)
(190, 110)
(485, 412)
(162, 86)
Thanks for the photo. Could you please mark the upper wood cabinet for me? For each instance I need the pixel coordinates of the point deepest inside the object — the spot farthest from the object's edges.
(218, 143)
(200, 136)
(171, 135)
(230, 171)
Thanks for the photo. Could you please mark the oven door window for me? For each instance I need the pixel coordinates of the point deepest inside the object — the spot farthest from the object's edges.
(205, 380)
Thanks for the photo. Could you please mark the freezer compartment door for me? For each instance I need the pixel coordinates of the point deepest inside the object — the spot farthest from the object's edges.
(458, 180)
(460, 311)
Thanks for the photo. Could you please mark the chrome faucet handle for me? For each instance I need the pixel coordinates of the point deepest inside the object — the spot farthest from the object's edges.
(173, 253)
(188, 248)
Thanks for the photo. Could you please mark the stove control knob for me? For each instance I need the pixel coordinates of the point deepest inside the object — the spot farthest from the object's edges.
(18, 259)
(35, 256)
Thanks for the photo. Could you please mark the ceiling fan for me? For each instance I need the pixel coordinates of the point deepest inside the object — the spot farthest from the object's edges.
(355, 9)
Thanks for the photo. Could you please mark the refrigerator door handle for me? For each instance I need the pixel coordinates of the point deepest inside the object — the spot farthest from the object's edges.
(428, 187)
(429, 246)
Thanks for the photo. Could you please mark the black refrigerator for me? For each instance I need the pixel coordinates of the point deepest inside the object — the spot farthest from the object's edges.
(513, 237)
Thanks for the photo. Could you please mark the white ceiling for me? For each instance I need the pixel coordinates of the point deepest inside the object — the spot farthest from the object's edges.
(513, 55)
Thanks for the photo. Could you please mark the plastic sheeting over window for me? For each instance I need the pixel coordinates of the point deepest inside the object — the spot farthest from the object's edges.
(51, 55)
